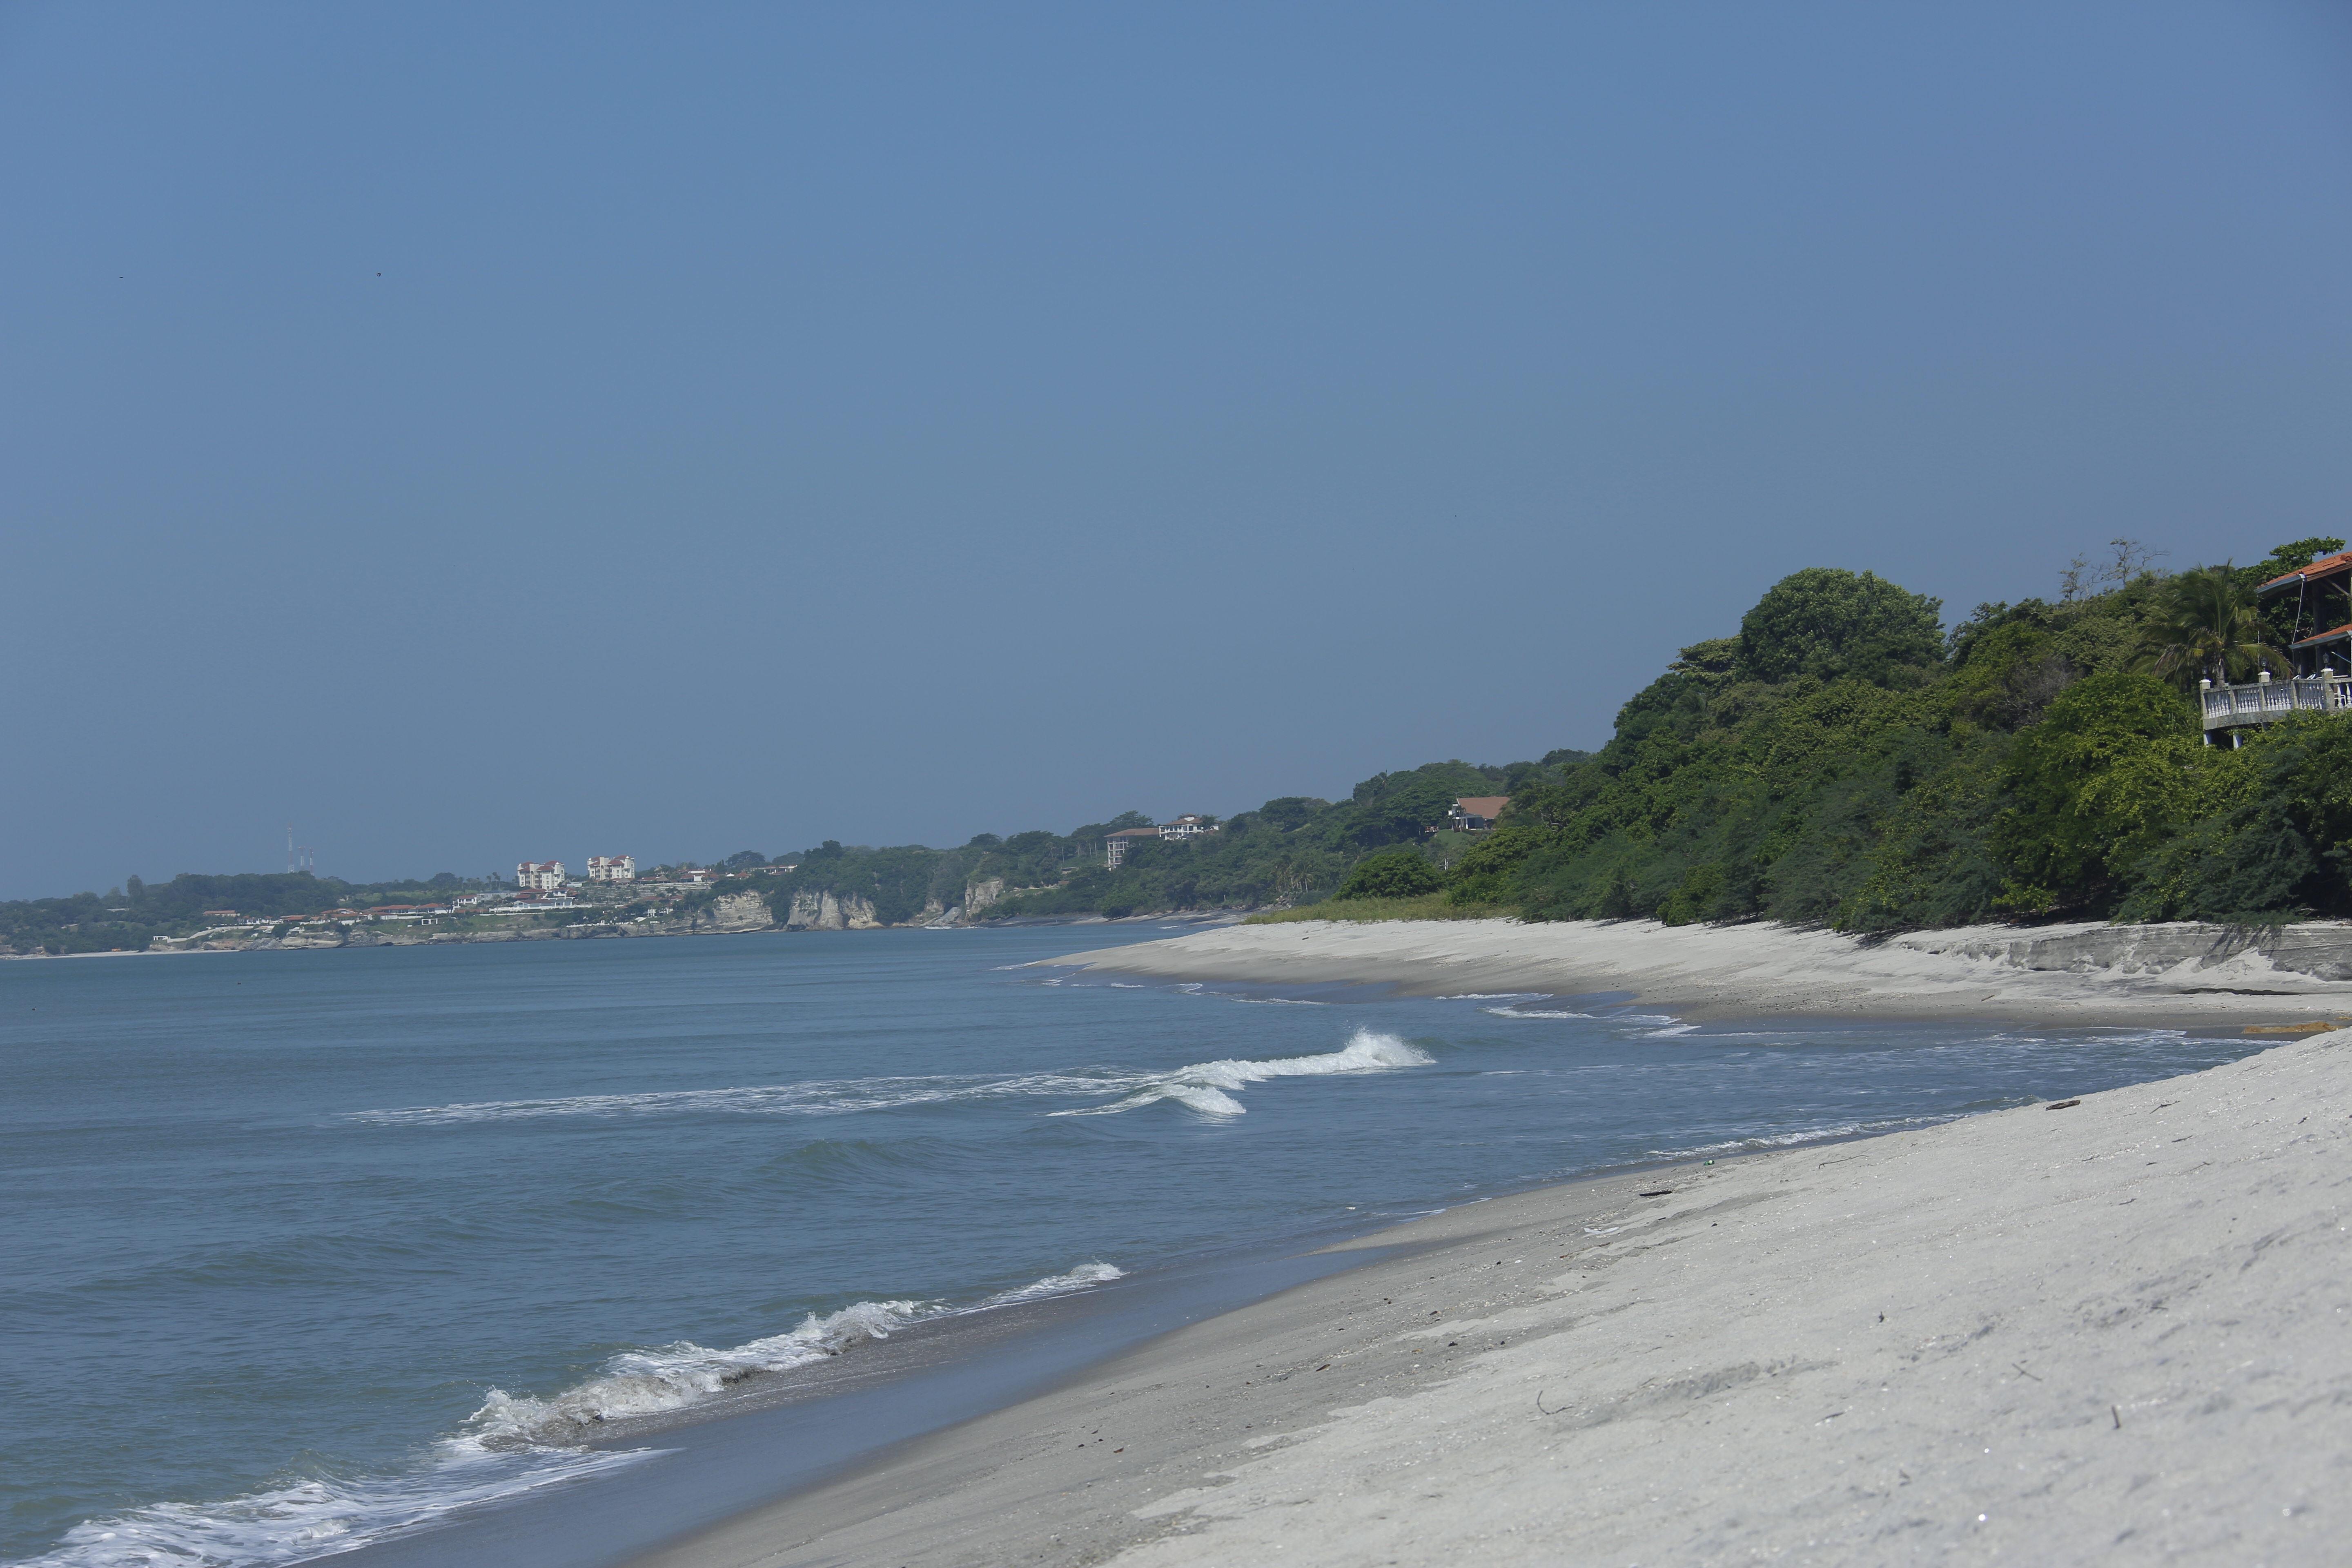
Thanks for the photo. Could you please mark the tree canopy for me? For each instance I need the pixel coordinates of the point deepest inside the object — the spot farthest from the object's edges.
(1835, 625)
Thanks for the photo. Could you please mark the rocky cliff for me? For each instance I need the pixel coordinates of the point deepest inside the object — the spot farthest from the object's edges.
(812, 910)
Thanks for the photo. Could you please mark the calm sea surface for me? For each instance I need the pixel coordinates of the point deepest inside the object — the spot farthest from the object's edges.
(302, 1248)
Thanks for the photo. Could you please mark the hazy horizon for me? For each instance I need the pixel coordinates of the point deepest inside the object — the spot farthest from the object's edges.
(484, 435)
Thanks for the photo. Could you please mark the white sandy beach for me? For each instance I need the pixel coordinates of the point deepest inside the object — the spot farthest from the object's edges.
(2061, 975)
(2117, 1331)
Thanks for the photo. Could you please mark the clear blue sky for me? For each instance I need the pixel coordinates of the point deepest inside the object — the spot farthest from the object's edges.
(479, 432)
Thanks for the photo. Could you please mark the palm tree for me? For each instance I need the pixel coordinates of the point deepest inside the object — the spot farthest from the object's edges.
(2204, 622)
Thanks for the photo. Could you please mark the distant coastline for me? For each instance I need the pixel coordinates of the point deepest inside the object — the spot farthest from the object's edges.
(324, 937)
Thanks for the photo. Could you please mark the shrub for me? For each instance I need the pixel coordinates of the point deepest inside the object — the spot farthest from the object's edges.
(1395, 874)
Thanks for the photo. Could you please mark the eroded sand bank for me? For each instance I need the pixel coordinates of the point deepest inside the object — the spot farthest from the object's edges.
(2116, 1332)
(2065, 974)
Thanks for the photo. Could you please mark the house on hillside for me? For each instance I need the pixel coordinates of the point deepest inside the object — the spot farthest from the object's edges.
(1189, 826)
(1476, 813)
(2320, 648)
(611, 868)
(539, 875)
(2322, 595)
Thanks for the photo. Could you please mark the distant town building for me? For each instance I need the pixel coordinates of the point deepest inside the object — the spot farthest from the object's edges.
(702, 874)
(1189, 826)
(1115, 844)
(539, 875)
(1476, 813)
(611, 868)
(220, 914)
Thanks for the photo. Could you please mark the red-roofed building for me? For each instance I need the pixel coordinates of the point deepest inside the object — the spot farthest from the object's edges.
(1476, 813)
(2322, 595)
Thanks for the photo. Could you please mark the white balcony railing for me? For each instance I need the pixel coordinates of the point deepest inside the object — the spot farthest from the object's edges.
(2260, 701)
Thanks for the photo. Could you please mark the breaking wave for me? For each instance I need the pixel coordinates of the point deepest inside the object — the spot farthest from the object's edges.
(668, 1378)
(1204, 1086)
(1208, 1087)
(321, 1517)
(512, 1444)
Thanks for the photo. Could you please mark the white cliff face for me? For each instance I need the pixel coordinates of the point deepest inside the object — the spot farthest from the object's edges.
(812, 910)
(824, 911)
(738, 911)
(978, 896)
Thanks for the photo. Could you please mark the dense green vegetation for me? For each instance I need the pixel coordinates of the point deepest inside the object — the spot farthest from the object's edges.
(1837, 763)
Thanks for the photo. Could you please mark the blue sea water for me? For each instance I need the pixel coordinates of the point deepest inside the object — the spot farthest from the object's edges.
(303, 1248)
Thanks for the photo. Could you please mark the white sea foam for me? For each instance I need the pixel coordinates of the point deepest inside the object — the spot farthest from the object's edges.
(1200, 1085)
(510, 1445)
(318, 1518)
(672, 1377)
(1669, 1026)
(1084, 1276)
(1533, 1013)
(1756, 1143)
(820, 1097)
(1206, 1087)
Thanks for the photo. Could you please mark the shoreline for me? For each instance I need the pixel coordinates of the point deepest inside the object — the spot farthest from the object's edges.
(2079, 975)
(1862, 1351)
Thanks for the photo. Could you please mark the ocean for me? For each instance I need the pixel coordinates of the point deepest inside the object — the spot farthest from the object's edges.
(308, 1252)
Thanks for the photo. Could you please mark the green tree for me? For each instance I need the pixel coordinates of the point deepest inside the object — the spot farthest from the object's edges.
(1833, 625)
(1392, 874)
(2110, 772)
(2203, 624)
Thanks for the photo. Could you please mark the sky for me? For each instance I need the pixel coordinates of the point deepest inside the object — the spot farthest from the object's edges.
(478, 433)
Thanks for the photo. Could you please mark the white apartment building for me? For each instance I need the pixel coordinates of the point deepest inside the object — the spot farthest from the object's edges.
(611, 868)
(539, 875)
(1189, 826)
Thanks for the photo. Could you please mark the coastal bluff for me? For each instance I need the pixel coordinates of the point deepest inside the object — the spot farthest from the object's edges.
(2084, 973)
